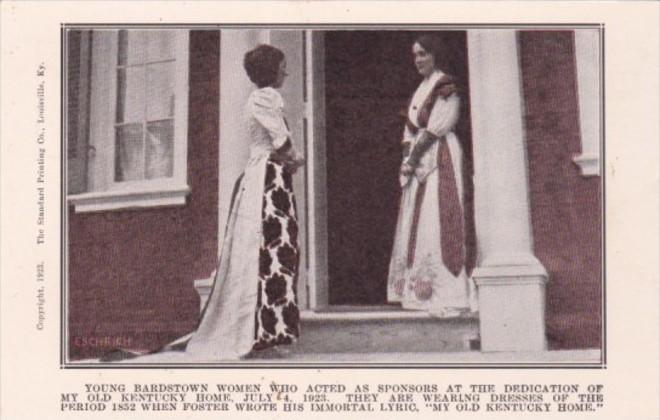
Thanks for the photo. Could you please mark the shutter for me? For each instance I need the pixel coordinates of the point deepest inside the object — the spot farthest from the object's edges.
(77, 123)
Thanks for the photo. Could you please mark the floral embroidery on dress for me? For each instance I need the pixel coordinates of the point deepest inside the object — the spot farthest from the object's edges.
(423, 289)
(398, 276)
(421, 282)
(399, 286)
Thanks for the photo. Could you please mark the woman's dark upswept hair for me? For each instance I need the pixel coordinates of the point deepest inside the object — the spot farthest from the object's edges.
(262, 64)
(437, 48)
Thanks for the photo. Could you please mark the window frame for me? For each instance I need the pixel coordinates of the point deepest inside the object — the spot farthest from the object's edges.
(103, 192)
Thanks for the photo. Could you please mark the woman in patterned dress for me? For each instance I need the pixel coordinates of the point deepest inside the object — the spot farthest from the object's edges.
(253, 302)
(427, 268)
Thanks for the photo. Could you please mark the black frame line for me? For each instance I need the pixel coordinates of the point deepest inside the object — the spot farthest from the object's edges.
(64, 364)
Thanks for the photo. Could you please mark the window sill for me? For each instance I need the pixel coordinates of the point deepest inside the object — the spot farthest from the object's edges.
(589, 164)
(128, 199)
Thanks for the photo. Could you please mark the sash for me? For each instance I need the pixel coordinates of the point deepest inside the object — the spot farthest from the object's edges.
(443, 88)
(452, 231)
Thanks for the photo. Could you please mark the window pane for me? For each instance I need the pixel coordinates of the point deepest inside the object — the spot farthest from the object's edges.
(160, 149)
(161, 45)
(132, 48)
(129, 153)
(160, 91)
(130, 94)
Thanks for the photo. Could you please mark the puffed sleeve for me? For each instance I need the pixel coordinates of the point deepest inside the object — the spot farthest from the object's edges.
(267, 107)
(444, 115)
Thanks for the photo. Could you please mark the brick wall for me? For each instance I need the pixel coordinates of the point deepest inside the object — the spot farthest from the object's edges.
(131, 273)
(566, 211)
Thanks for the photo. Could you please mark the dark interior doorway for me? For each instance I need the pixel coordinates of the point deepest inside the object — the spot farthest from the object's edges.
(370, 77)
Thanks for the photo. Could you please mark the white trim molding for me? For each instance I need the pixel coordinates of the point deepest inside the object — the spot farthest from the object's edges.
(133, 199)
(587, 57)
(318, 290)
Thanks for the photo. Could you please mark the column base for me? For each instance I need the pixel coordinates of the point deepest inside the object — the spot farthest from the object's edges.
(512, 307)
(203, 288)
(589, 164)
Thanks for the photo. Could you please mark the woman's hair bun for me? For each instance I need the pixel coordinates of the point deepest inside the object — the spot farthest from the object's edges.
(262, 64)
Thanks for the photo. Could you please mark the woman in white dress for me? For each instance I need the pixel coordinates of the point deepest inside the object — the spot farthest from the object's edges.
(253, 303)
(427, 269)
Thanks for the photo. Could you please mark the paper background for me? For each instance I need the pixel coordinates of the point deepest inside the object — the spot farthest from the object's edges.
(32, 379)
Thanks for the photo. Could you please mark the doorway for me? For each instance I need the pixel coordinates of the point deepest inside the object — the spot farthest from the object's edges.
(344, 97)
(369, 78)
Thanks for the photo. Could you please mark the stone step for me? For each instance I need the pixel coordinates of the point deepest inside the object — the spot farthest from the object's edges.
(376, 329)
(384, 330)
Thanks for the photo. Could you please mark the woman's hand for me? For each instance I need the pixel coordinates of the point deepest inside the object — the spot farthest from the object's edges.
(298, 159)
(406, 169)
(292, 165)
(291, 160)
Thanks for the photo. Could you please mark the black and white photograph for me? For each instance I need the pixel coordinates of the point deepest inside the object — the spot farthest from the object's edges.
(348, 194)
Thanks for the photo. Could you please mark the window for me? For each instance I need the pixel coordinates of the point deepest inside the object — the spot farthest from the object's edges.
(138, 103)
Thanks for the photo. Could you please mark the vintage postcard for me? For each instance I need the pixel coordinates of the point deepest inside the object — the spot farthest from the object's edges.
(356, 209)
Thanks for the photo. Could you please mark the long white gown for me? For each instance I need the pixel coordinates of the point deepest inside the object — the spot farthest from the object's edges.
(426, 283)
(253, 303)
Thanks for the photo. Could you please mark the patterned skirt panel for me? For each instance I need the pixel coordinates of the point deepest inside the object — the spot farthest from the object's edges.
(276, 314)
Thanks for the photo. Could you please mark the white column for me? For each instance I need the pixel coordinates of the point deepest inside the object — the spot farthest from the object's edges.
(510, 279)
(235, 87)
(587, 54)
